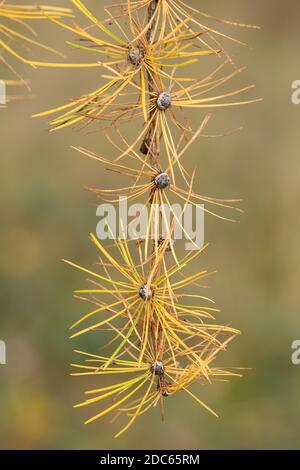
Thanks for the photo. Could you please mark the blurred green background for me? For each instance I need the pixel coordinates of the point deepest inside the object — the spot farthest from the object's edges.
(46, 215)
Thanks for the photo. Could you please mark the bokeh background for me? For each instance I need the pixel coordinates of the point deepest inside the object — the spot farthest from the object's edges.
(46, 215)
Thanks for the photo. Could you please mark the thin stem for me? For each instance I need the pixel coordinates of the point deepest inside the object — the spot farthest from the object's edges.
(150, 145)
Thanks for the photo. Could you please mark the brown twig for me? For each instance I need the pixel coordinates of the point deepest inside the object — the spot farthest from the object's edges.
(150, 146)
